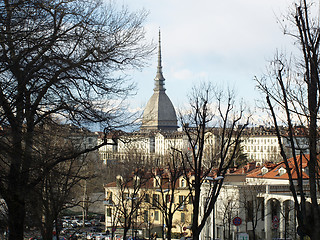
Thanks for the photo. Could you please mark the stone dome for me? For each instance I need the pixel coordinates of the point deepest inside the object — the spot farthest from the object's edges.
(159, 113)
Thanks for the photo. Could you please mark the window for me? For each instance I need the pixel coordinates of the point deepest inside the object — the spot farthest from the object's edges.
(249, 211)
(109, 211)
(182, 202)
(168, 198)
(282, 171)
(218, 232)
(119, 181)
(190, 199)
(261, 207)
(156, 215)
(109, 196)
(157, 181)
(183, 183)
(147, 198)
(136, 182)
(183, 217)
(145, 216)
(155, 200)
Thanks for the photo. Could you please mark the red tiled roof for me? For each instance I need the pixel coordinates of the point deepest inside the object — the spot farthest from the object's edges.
(273, 169)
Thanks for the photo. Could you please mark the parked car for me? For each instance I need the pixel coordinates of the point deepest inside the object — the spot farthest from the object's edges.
(95, 229)
(80, 234)
(101, 236)
(67, 231)
(90, 236)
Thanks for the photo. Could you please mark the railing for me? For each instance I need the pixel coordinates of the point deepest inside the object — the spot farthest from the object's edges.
(279, 188)
(286, 188)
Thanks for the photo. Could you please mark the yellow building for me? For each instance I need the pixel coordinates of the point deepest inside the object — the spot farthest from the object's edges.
(145, 201)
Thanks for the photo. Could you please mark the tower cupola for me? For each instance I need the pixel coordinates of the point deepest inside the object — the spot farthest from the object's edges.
(159, 113)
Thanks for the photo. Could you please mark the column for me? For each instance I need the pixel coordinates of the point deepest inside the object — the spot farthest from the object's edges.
(267, 220)
(282, 220)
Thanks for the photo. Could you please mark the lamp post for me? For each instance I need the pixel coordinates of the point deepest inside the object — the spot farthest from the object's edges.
(163, 191)
(211, 179)
(132, 217)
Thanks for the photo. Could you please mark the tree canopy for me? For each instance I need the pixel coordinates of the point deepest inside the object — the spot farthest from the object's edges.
(59, 61)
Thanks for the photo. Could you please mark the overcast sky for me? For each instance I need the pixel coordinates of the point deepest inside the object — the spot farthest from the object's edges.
(227, 42)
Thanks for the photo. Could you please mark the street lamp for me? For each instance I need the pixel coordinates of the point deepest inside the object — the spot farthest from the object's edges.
(216, 179)
(219, 178)
(163, 209)
(132, 230)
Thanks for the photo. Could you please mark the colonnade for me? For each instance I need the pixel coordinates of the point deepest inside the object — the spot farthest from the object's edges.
(280, 219)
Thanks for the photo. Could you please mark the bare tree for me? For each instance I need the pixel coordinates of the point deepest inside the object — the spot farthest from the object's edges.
(253, 205)
(168, 185)
(292, 96)
(129, 197)
(199, 124)
(227, 210)
(3, 218)
(54, 192)
(182, 225)
(51, 196)
(59, 58)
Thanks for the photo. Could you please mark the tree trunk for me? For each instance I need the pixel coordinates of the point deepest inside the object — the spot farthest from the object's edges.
(253, 230)
(16, 210)
(125, 231)
(196, 233)
(169, 227)
(48, 230)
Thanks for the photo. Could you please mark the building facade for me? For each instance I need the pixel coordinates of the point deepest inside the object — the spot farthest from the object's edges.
(146, 204)
(260, 196)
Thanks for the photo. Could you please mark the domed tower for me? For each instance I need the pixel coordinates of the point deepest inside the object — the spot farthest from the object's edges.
(159, 113)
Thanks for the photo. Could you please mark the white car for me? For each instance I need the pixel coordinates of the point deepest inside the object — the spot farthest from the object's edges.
(101, 236)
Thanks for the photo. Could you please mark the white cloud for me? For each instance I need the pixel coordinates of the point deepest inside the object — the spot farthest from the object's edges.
(183, 74)
(220, 41)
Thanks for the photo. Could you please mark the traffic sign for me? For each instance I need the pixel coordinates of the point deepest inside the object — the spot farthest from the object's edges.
(275, 222)
(243, 236)
(275, 219)
(237, 221)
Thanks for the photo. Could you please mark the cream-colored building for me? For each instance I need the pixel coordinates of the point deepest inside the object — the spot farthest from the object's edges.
(154, 198)
(259, 146)
(262, 145)
(261, 198)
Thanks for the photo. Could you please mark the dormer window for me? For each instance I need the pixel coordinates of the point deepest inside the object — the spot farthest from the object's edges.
(282, 171)
(136, 181)
(119, 180)
(183, 183)
(264, 170)
(157, 181)
(109, 196)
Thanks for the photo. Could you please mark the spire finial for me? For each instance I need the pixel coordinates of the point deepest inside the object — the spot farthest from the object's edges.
(159, 53)
(159, 80)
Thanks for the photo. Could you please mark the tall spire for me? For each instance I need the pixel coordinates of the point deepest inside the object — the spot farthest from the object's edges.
(159, 113)
(159, 79)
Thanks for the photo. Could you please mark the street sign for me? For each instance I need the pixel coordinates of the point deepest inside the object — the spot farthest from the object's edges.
(237, 221)
(275, 222)
(275, 219)
(275, 225)
(243, 236)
